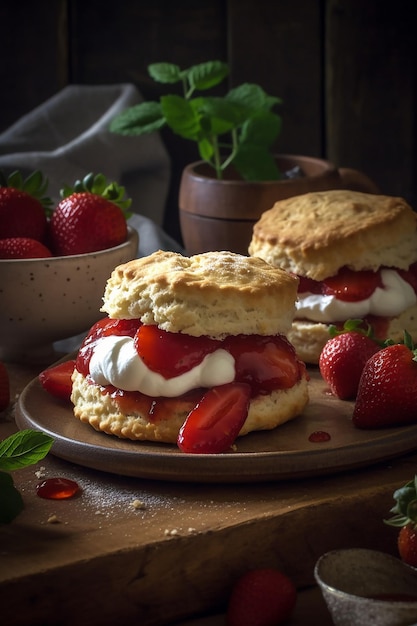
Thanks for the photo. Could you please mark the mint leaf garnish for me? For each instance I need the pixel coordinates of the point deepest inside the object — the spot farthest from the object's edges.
(21, 449)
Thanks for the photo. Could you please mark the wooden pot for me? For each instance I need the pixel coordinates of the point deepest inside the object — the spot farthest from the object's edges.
(220, 214)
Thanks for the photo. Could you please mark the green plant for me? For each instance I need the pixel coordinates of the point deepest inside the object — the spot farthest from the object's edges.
(237, 129)
(21, 449)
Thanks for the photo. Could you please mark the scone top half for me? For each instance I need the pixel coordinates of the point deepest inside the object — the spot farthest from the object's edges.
(343, 241)
(316, 234)
(214, 294)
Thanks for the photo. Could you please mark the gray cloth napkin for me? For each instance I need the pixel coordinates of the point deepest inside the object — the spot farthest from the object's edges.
(67, 136)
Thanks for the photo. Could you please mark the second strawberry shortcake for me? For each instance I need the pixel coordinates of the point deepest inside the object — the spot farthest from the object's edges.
(355, 255)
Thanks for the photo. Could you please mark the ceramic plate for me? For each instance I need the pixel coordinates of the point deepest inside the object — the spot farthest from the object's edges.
(283, 453)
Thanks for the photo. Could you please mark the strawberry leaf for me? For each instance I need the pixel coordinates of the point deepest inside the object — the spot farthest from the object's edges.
(98, 185)
(405, 508)
(36, 185)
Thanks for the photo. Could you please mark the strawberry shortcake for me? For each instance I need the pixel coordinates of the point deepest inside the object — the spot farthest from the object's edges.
(355, 255)
(193, 351)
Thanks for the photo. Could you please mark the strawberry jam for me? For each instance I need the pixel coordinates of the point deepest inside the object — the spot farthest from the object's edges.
(351, 286)
(319, 436)
(57, 488)
(265, 363)
(171, 354)
(103, 328)
(155, 409)
(346, 285)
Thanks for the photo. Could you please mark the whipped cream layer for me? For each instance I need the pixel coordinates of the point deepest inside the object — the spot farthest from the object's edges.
(395, 297)
(115, 361)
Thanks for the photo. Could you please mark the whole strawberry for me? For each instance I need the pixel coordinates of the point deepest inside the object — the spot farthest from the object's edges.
(261, 597)
(23, 206)
(90, 217)
(387, 392)
(405, 518)
(23, 248)
(344, 356)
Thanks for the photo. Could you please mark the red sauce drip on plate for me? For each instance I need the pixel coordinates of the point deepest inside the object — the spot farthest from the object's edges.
(57, 488)
(319, 436)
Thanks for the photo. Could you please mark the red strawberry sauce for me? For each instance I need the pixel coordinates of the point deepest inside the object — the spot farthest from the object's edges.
(351, 286)
(265, 363)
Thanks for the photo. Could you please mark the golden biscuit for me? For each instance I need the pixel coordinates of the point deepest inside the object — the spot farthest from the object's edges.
(214, 294)
(316, 234)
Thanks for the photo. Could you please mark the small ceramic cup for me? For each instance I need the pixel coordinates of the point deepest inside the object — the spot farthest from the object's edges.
(365, 587)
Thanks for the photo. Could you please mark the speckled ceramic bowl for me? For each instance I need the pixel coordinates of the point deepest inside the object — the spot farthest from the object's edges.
(366, 587)
(46, 300)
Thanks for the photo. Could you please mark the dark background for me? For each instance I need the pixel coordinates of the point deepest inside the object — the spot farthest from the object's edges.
(346, 69)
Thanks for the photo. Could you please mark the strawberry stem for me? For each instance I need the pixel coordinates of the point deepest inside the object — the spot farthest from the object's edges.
(357, 325)
(405, 508)
(35, 184)
(98, 185)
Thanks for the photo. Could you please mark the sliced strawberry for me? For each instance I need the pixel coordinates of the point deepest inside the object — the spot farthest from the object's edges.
(352, 286)
(215, 422)
(171, 354)
(308, 285)
(4, 387)
(56, 380)
(265, 363)
(261, 597)
(23, 248)
(103, 328)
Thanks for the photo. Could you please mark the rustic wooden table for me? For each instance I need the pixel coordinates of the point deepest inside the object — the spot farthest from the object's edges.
(103, 558)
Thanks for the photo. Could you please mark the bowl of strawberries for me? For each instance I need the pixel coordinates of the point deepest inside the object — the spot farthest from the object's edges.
(55, 259)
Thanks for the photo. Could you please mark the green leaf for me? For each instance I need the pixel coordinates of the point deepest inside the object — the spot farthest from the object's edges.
(261, 129)
(24, 448)
(254, 162)
(181, 117)
(405, 507)
(204, 120)
(165, 72)
(11, 502)
(228, 112)
(15, 180)
(205, 149)
(146, 117)
(252, 97)
(207, 75)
